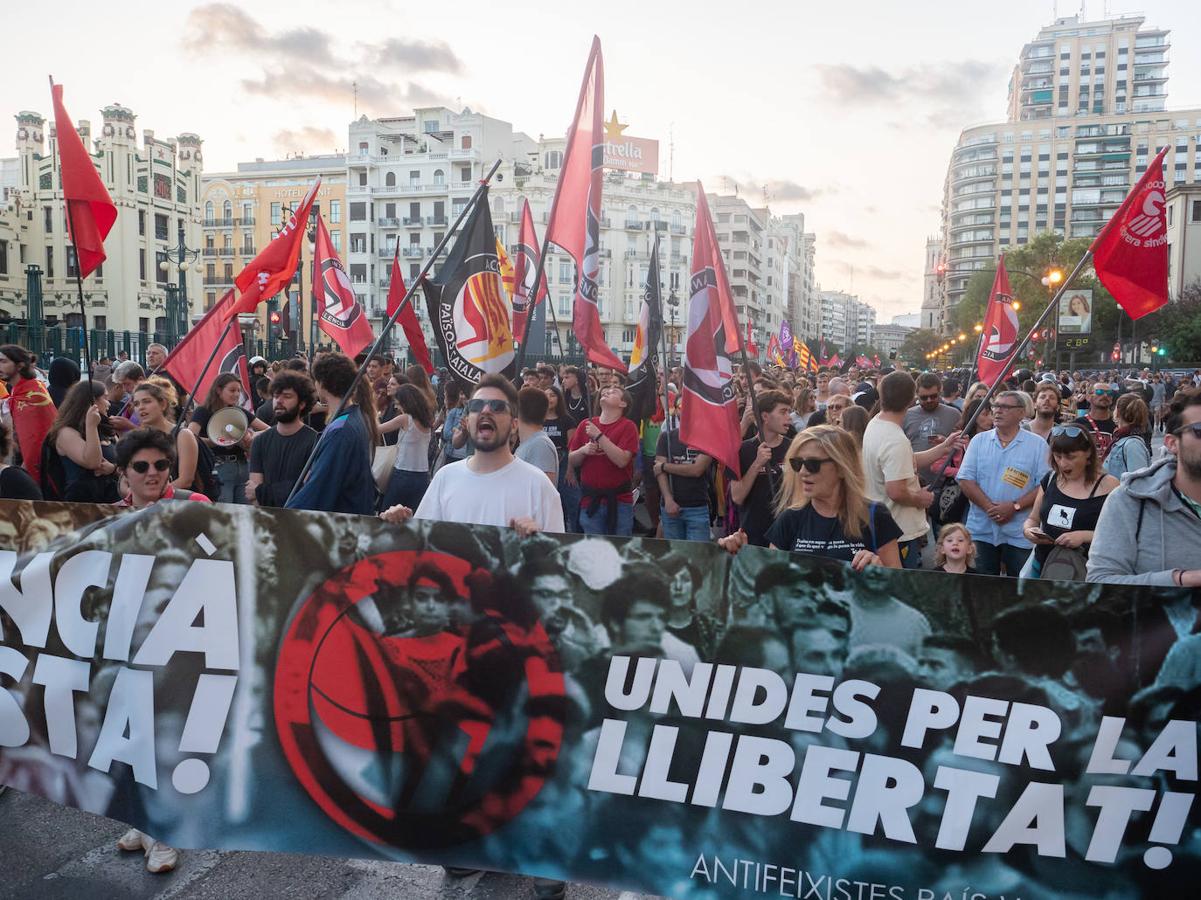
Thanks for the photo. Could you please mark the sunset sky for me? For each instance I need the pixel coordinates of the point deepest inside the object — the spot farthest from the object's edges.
(847, 112)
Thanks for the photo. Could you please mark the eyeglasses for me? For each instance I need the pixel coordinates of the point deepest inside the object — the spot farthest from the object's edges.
(1072, 431)
(478, 405)
(927, 398)
(1195, 428)
(811, 464)
(999, 407)
(142, 466)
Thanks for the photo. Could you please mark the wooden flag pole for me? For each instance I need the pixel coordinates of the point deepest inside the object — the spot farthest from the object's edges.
(383, 335)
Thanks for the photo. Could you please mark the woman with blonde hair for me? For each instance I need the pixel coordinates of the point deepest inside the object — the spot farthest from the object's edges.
(154, 402)
(822, 508)
(975, 392)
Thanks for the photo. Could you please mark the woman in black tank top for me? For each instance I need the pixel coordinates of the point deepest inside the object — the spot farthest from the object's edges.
(1070, 497)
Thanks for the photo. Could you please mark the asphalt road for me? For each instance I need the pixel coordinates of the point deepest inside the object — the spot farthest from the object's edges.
(48, 851)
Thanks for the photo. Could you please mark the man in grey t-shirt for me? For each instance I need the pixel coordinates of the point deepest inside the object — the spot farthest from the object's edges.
(930, 421)
(536, 447)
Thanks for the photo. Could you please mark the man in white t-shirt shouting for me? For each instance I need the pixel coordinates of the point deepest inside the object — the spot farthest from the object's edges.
(492, 486)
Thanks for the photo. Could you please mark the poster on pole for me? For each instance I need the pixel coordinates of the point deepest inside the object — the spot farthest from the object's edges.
(652, 715)
(1076, 313)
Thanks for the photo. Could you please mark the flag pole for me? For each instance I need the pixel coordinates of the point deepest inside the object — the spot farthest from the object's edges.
(191, 398)
(87, 355)
(666, 392)
(387, 327)
(1025, 342)
(529, 316)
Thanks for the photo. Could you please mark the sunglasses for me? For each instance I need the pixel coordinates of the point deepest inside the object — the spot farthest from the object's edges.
(142, 466)
(811, 464)
(1195, 428)
(1101, 392)
(1072, 431)
(493, 406)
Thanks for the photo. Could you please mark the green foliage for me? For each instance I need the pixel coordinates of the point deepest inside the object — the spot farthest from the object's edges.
(1027, 265)
(1177, 326)
(917, 344)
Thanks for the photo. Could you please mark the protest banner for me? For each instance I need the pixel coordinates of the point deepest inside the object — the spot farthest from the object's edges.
(653, 715)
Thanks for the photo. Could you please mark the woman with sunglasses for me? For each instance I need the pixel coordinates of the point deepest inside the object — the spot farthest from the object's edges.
(822, 508)
(1070, 496)
(144, 460)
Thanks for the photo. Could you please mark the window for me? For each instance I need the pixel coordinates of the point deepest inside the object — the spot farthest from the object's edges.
(390, 180)
(362, 179)
(160, 274)
(1196, 215)
(208, 212)
(554, 159)
(465, 142)
(389, 210)
(247, 213)
(564, 272)
(358, 212)
(228, 273)
(414, 178)
(227, 211)
(439, 176)
(464, 173)
(414, 270)
(364, 148)
(335, 238)
(48, 224)
(358, 243)
(3, 257)
(358, 272)
(276, 210)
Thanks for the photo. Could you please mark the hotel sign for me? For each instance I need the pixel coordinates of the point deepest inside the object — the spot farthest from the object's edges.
(629, 154)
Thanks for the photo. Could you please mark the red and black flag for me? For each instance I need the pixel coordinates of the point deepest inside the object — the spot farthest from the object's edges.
(339, 312)
(468, 306)
(187, 360)
(274, 268)
(1130, 255)
(1001, 337)
(525, 266)
(90, 210)
(575, 216)
(644, 383)
(709, 410)
(408, 315)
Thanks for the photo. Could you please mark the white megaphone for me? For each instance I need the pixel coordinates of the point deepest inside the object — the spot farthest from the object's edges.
(226, 426)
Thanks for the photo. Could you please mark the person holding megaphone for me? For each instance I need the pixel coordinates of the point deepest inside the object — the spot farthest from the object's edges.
(223, 425)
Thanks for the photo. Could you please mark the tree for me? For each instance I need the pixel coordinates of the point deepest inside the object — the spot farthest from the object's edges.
(917, 344)
(1177, 326)
(1027, 264)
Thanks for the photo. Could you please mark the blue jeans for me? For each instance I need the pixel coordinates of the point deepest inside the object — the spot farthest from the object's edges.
(692, 524)
(406, 488)
(592, 520)
(990, 558)
(911, 553)
(233, 473)
(569, 498)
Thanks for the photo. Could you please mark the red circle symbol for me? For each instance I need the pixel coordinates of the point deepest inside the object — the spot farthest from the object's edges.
(416, 741)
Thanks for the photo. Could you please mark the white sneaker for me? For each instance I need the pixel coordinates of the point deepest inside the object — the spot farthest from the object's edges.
(161, 858)
(133, 840)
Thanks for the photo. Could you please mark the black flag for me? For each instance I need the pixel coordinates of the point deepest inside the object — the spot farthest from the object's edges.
(468, 307)
(643, 384)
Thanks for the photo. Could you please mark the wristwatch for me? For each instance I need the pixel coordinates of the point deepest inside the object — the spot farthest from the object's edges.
(1017, 507)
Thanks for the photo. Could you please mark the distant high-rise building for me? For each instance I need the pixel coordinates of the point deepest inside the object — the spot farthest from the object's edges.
(847, 322)
(1086, 115)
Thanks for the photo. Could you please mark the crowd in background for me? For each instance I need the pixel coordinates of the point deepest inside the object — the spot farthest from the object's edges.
(1052, 475)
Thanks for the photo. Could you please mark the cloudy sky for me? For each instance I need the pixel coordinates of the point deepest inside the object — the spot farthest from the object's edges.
(845, 111)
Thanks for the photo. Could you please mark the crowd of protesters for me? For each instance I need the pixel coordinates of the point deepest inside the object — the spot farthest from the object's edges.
(1051, 475)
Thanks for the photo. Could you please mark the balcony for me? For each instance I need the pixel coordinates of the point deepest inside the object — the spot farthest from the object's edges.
(388, 222)
(209, 251)
(435, 220)
(225, 251)
(631, 253)
(248, 250)
(678, 229)
(633, 225)
(515, 218)
(246, 220)
(227, 222)
(412, 221)
(413, 251)
(605, 253)
(386, 252)
(218, 280)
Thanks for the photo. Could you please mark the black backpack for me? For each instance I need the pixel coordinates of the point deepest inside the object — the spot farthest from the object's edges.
(205, 480)
(53, 477)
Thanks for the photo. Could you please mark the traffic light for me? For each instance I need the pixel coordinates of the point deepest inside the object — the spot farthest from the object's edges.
(1162, 351)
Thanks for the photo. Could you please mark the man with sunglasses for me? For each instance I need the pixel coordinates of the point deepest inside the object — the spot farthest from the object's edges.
(1149, 531)
(492, 486)
(926, 424)
(999, 475)
(1099, 418)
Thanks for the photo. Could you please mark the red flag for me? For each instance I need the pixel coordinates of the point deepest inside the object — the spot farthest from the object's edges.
(189, 356)
(863, 362)
(709, 413)
(408, 317)
(876, 360)
(751, 349)
(1130, 255)
(341, 316)
(525, 265)
(1001, 331)
(32, 413)
(824, 360)
(834, 362)
(575, 216)
(273, 269)
(90, 210)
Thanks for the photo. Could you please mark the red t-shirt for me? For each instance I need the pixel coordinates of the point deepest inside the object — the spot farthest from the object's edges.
(598, 472)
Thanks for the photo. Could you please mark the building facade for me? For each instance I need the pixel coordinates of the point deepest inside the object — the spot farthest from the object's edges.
(242, 211)
(933, 272)
(155, 185)
(1086, 115)
(847, 322)
(1184, 238)
(888, 339)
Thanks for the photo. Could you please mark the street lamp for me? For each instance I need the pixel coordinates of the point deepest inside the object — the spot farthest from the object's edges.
(177, 294)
